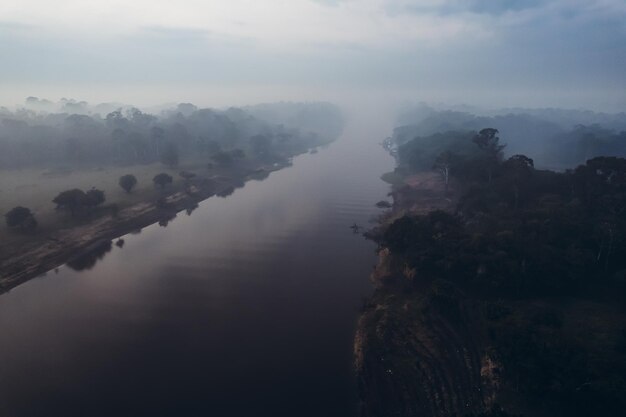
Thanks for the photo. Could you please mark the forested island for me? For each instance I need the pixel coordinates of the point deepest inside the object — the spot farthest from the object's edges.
(75, 176)
(501, 285)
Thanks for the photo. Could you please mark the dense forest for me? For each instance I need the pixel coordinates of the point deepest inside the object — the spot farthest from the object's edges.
(555, 138)
(525, 273)
(75, 134)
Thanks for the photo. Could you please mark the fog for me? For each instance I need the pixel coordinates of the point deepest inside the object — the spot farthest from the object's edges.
(194, 193)
(532, 53)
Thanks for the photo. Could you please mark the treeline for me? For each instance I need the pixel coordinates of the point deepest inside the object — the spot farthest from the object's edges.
(128, 136)
(542, 255)
(556, 138)
(522, 230)
(83, 203)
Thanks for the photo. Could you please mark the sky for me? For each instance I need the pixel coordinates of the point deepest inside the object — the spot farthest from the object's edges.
(568, 53)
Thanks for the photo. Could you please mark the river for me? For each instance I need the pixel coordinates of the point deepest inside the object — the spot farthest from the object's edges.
(245, 307)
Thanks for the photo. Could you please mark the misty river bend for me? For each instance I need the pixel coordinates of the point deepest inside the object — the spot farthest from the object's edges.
(246, 307)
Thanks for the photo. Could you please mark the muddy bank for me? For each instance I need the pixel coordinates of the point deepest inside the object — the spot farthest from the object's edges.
(44, 253)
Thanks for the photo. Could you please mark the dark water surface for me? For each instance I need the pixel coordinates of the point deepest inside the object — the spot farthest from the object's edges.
(247, 307)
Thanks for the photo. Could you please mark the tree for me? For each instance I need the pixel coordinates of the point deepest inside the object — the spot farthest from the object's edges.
(128, 182)
(70, 200)
(487, 140)
(117, 136)
(443, 164)
(157, 134)
(20, 217)
(169, 156)
(489, 143)
(75, 199)
(137, 144)
(518, 168)
(601, 185)
(162, 179)
(521, 162)
(94, 197)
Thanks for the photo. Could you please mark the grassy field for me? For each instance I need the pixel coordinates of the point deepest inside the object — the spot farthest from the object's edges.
(36, 188)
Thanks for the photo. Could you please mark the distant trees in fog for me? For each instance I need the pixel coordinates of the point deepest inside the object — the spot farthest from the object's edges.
(20, 218)
(222, 158)
(170, 155)
(76, 200)
(128, 182)
(125, 136)
(162, 179)
(443, 164)
(555, 138)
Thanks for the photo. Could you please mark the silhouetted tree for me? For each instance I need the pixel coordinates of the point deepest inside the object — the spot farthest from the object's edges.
(20, 217)
(128, 182)
(162, 179)
(94, 197)
(71, 200)
(517, 169)
(489, 143)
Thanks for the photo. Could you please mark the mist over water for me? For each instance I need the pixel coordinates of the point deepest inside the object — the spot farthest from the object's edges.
(117, 113)
(245, 307)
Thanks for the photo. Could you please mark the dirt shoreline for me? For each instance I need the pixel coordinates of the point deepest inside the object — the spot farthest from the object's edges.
(35, 258)
(409, 358)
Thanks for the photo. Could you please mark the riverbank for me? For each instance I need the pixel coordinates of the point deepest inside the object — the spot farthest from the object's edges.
(411, 357)
(44, 252)
(490, 306)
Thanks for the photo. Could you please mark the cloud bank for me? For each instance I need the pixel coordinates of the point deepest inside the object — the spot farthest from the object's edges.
(537, 49)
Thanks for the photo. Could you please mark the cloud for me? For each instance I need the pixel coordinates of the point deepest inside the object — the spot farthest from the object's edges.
(332, 3)
(270, 21)
(461, 46)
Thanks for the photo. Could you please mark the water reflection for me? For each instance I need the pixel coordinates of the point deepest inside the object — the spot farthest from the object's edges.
(226, 192)
(190, 209)
(88, 258)
(166, 219)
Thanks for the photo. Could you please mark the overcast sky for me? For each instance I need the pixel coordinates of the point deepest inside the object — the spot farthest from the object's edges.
(505, 52)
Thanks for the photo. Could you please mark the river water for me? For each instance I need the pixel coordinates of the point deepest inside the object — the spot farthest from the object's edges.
(246, 307)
